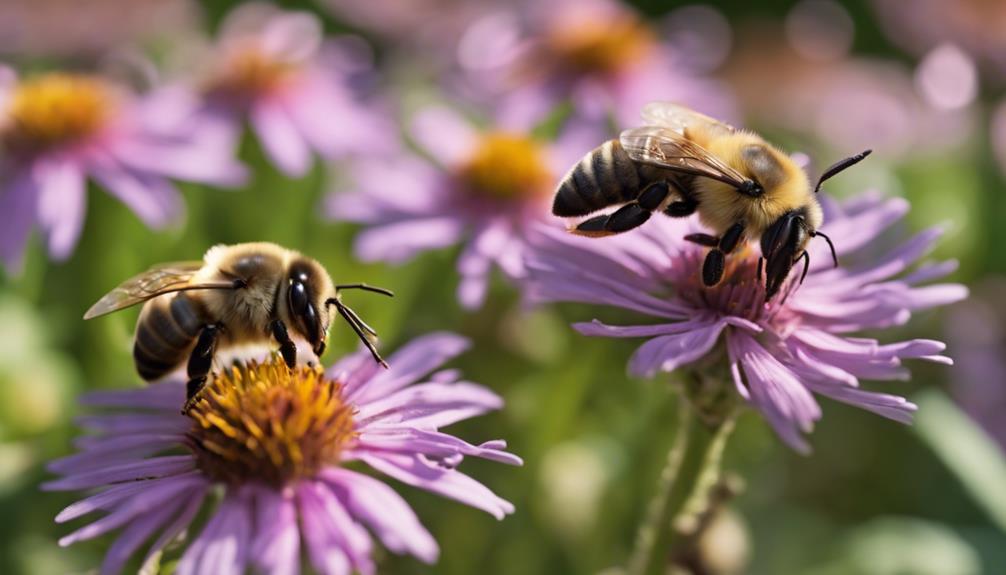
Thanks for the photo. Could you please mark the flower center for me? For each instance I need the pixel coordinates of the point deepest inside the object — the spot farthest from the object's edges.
(267, 423)
(507, 166)
(54, 109)
(601, 45)
(740, 293)
(249, 71)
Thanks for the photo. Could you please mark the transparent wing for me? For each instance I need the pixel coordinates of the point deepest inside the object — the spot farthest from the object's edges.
(160, 279)
(665, 148)
(678, 118)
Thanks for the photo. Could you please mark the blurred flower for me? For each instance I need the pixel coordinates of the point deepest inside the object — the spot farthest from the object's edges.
(975, 25)
(483, 188)
(977, 331)
(277, 441)
(780, 353)
(850, 103)
(58, 27)
(599, 54)
(276, 69)
(59, 129)
(998, 135)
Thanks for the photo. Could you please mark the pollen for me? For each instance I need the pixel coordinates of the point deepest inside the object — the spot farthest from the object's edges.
(248, 71)
(601, 46)
(507, 166)
(54, 109)
(266, 423)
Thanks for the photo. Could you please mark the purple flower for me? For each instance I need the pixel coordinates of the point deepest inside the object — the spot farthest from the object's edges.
(275, 69)
(483, 188)
(780, 354)
(58, 130)
(598, 54)
(277, 440)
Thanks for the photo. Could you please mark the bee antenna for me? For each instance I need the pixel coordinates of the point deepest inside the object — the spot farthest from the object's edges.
(834, 256)
(366, 287)
(840, 166)
(362, 330)
(806, 265)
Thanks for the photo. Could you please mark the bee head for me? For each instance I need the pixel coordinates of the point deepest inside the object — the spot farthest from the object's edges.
(783, 244)
(308, 287)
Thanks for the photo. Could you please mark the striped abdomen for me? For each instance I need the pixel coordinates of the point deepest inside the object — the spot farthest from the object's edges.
(165, 333)
(604, 177)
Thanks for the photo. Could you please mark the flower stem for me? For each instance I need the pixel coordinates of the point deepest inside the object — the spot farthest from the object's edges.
(682, 496)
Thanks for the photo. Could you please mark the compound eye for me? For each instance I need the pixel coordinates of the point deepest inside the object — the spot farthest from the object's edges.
(299, 302)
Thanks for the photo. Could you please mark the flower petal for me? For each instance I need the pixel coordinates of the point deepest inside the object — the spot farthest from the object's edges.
(132, 471)
(61, 204)
(407, 365)
(280, 139)
(444, 134)
(276, 545)
(222, 547)
(18, 201)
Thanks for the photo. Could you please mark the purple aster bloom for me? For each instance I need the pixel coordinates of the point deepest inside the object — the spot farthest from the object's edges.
(484, 188)
(780, 354)
(276, 441)
(59, 130)
(598, 54)
(275, 69)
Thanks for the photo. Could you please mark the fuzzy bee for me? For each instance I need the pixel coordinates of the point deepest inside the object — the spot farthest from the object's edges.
(682, 162)
(240, 294)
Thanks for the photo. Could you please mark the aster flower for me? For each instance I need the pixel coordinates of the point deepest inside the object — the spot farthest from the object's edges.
(58, 130)
(275, 69)
(598, 54)
(278, 442)
(782, 353)
(484, 188)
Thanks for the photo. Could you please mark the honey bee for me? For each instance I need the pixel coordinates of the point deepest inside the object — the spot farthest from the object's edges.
(682, 162)
(240, 294)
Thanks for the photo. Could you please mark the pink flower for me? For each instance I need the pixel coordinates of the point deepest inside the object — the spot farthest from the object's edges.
(484, 188)
(275, 69)
(780, 354)
(59, 130)
(277, 440)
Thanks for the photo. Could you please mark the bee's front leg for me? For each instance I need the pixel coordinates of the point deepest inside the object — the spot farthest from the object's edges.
(200, 362)
(715, 262)
(287, 348)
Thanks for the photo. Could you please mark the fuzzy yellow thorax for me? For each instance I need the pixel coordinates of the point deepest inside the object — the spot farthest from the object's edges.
(267, 423)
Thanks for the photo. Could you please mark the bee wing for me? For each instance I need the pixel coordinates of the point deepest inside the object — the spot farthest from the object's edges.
(678, 118)
(160, 279)
(665, 148)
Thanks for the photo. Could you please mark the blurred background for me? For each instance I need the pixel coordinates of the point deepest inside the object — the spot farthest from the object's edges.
(922, 82)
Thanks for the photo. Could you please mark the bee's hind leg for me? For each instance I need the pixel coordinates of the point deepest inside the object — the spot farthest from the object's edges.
(631, 215)
(200, 362)
(715, 262)
(287, 348)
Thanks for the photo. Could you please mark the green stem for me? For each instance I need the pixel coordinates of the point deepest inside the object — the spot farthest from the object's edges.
(691, 471)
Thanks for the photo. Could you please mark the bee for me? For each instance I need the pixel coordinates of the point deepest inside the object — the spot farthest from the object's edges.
(682, 162)
(239, 294)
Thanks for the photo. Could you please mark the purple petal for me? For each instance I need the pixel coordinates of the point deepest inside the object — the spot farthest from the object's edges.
(435, 444)
(133, 471)
(181, 522)
(416, 471)
(429, 405)
(18, 201)
(153, 199)
(114, 450)
(133, 536)
(444, 134)
(407, 365)
(343, 530)
(222, 547)
(668, 352)
(890, 406)
(104, 500)
(123, 423)
(61, 204)
(162, 396)
(276, 546)
(384, 511)
(280, 138)
(206, 156)
(291, 36)
(326, 555)
(399, 241)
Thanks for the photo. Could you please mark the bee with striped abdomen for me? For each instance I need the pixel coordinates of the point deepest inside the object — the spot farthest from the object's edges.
(240, 294)
(682, 162)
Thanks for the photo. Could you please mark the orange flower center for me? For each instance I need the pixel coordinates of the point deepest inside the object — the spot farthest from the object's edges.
(267, 423)
(507, 166)
(249, 71)
(54, 109)
(601, 46)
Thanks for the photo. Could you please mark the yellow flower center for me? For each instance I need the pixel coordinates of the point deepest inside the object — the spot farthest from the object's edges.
(267, 423)
(507, 166)
(249, 71)
(54, 109)
(601, 45)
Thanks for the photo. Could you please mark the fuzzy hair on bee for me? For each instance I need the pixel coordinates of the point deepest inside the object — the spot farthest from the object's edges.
(236, 295)
(681, 163)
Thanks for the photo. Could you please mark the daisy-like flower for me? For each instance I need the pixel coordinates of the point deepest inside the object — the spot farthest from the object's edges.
(485, 188)
(275, 69)
(279, 443)
(598, 54)
(780, 354)
(58, 130)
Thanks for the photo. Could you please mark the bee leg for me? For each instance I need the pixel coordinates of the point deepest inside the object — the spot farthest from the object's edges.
(681, 208)
(200, 362)
(629, 216)
(287, 348)
(712, 267)
(703, 240)
(715, 262)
